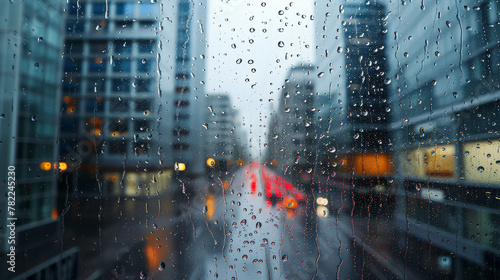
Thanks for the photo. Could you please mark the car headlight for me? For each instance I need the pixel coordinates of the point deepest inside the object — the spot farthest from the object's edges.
(322, 201)
(322, 211)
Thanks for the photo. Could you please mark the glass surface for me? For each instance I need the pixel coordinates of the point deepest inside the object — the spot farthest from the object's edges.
(186, 139)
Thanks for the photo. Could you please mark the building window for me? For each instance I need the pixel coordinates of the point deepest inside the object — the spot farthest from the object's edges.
(98, 46)
(122, 65)
(182, 89)
(180, 131)
(119, 105)
(117, 147)
(97, 65)
(146, 9)
(181, 146)
(143, 85)
(98, 9)
(146, 46)
(181, 103)
(123, 47)
(121, 85)
(125, 9)
(144, 65)
(141, 125)
(142, 105)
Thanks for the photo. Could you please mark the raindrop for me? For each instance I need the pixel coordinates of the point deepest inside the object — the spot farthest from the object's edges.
(155, 226)
(239, 60)
(448, 23)
(281, 44)
(40, 39)
(33, 118)
(205, 125)
(339, 50)
(233, 46)
(243, 222)
(98, 27)
(263, 4)
(387, 81)
(281, 12)
(356, 136)
(258, 225)
(142, 275)
(161, 266)
(284, 258)
(309, 170)
(321, 74)
(332, 150)
(387, 109)
(455, 94)
(480, 169)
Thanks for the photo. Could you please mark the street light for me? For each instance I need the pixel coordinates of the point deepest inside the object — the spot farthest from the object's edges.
(180, 166)
(211, 162)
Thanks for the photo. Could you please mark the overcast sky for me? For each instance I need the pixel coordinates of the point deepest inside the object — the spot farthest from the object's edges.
(254, 84)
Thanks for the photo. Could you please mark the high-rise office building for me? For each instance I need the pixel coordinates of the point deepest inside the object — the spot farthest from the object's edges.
(444, 95)
(292, 130)
(31, 33)
(221, 142)
(130, 67)
(351, 54)
(112, 98)
(187, 103)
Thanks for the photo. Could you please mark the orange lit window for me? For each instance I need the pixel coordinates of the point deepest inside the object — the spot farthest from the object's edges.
(373, 164)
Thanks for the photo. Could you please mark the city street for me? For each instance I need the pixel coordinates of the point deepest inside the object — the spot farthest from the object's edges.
(237, 232)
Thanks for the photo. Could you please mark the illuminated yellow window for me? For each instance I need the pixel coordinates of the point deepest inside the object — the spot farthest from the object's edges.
(481, 161)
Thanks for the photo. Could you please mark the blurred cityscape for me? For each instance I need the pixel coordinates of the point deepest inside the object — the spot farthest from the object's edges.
(381, 156)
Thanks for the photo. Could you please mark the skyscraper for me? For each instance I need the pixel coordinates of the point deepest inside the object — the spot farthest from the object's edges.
(31, 33)
(222, 143)
(292, 130)
(188, 104)
(130, 67)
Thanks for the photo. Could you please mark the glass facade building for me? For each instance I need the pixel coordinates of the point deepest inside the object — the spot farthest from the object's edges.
(32, 37)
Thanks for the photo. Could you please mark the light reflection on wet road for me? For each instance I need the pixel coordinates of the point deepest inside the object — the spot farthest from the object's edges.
(264, 240)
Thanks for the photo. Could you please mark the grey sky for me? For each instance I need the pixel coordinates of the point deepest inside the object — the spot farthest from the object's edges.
(229, 39)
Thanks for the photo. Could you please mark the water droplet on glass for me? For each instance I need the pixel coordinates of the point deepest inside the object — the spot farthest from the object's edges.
(321, 74)
(284, 258)
(339, 50)
(258, 225)
(33, 118)
(142, 275)
(281, 44)
(387, 81)
(40, 39)
(161, 266)
(239, 60)
(233, 45)
(480, 169)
